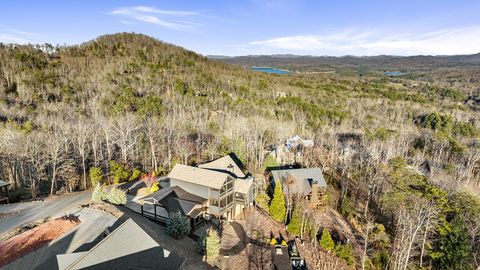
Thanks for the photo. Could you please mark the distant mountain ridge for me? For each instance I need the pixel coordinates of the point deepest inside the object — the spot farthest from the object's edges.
(379, 62)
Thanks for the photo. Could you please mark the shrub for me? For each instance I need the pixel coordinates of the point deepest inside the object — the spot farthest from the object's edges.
(277, 206)
(136, 173)
(96, 176)
(99, 193)
(326, 242)
(154, 187)
(117, 196)
(345, 208)
(212, 243)
(345, 252)
(201, 244)
(178, 226)
(118, 171)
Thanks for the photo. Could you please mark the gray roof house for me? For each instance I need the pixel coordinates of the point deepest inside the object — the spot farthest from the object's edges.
(127, 247)
(307, 182)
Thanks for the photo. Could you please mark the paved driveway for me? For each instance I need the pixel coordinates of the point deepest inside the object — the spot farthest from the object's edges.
(82, 238)
(38, 210)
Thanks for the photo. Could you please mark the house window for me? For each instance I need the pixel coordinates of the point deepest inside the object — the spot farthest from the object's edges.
(214, 202)
(229, 199)
(223, 202)
(229, 185)
(239, 196)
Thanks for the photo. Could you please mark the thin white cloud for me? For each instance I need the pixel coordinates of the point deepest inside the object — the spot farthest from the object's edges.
(9, 35)
(461, 40)
(172, 19)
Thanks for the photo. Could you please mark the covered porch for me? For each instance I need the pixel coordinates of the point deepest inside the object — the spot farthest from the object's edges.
(159, 205)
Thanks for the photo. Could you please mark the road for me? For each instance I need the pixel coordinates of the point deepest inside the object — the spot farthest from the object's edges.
(50, 208)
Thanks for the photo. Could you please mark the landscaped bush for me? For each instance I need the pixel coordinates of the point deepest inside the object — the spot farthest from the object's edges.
(99, 193)
(178, 226)
(136, 173)
(117, 196)
(96, 176)
(119, 172)
(212, 243)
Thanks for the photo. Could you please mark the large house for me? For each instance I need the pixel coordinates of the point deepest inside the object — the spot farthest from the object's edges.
(218, 189)
(215, 186)
(222, 182)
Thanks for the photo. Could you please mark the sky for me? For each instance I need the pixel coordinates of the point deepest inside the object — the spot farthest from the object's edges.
(252, 27)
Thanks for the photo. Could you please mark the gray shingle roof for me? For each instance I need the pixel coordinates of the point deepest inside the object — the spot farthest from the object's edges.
(302, 176)
(127, 247)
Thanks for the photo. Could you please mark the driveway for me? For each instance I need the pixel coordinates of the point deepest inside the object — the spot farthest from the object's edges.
(82, 238)
(39, 210)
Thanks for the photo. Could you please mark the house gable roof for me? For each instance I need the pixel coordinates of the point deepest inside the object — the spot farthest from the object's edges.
(302, 176)
(198, 176)
(228, 164)
(127, 247)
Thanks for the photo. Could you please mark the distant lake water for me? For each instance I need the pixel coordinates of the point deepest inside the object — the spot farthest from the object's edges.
(393, 73)
(271, 70)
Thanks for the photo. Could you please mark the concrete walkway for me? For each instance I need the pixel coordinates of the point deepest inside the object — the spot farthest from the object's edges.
(39, 210)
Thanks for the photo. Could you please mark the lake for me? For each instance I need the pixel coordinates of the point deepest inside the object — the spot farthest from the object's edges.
(393, 73)
(270, 70)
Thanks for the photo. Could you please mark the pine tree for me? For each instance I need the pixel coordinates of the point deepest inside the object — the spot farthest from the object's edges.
(178, 226)
(277, 206)
(212, 243)
(117, 196)
(326, 242)
(295, 224)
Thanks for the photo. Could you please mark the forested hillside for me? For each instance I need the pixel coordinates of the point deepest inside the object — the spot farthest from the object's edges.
(399, 153)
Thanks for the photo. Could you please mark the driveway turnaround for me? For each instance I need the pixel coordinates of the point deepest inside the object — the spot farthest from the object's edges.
(39, 210)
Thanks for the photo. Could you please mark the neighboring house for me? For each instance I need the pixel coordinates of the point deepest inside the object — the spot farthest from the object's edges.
(291, 151)
(245, 190)
(306, 182)
(217, 187)
(127, 247)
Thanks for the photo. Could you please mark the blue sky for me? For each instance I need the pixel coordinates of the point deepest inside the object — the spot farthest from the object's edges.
(235, 27)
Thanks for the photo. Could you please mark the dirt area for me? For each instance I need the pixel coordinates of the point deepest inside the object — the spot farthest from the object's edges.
(30, 240)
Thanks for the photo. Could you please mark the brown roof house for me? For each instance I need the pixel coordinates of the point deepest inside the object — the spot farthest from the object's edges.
(222, 182)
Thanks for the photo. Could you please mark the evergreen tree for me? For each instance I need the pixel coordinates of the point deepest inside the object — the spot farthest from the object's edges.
(212, 244)
(455, 249)
(178, 226)
(326, 242)
(96, 176)
(277, 205)
(99, 193)
(117, 196)
(295, 224)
